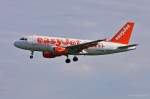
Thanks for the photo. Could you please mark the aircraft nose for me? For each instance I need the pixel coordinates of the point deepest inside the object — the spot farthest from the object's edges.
(16, 43)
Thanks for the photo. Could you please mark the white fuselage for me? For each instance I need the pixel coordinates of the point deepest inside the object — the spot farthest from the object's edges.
(44, 43)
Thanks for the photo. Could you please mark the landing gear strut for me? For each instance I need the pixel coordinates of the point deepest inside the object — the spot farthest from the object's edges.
(31, 56)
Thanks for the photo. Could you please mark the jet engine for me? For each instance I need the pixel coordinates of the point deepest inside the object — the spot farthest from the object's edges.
(57, 51)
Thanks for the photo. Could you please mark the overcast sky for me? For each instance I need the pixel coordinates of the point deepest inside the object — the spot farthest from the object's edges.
(118, 76)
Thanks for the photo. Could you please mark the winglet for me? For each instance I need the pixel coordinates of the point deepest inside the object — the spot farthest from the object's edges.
(124, 34)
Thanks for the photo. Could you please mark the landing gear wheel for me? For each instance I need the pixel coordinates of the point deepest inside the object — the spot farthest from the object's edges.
(68, 60)
(31, 57)
(75, 58)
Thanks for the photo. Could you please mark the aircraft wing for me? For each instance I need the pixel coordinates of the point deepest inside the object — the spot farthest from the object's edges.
(80, 47)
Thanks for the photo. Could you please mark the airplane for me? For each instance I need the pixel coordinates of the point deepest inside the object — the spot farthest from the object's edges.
(52, 47)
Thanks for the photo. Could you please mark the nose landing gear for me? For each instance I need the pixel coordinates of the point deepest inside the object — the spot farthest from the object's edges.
(31, 56)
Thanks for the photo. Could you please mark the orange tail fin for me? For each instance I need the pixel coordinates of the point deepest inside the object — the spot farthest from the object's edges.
(124, 34)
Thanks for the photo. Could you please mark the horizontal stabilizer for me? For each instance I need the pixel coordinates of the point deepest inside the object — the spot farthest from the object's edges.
(126, 47)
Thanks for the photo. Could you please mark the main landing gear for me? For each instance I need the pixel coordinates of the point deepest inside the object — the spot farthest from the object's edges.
(75, 59)
(31, 56)
(68, 60)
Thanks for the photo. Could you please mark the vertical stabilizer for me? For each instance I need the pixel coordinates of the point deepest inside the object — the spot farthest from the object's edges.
(124, 34)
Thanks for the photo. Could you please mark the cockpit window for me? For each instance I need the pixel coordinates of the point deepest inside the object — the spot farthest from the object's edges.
(23, 38)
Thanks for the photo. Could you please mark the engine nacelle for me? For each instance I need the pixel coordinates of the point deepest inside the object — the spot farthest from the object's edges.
(57, 51)
(48, 54)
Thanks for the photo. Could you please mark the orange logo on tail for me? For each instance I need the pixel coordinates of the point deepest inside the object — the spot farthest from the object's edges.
(125, 29)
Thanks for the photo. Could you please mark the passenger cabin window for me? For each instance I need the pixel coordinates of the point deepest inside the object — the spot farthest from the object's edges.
(25, 39)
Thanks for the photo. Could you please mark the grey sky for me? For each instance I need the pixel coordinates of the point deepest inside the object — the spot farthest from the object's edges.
(118, 76)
